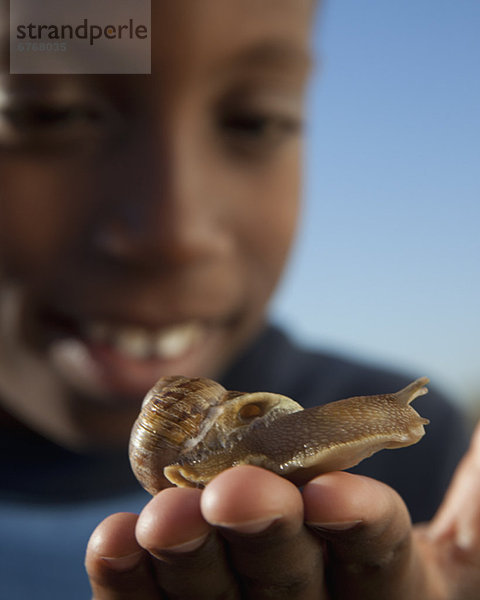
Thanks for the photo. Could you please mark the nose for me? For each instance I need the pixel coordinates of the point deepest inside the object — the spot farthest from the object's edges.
(159, 210)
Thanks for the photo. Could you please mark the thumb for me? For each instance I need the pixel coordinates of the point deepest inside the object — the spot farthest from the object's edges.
(458, 518)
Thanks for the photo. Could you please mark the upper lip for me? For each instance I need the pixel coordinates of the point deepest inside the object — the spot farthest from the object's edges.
(73, 319)
(210, 295)
(139, 305)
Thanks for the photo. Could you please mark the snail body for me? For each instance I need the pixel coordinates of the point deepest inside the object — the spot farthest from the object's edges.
(191, 429)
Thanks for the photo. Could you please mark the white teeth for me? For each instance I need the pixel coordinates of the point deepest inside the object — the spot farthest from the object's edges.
(136, 342)
(133, 342)
(175, 341)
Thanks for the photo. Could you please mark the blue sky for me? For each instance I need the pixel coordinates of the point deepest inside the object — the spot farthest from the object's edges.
(387, 264)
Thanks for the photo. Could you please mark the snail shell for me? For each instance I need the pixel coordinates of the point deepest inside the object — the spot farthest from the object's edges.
(191, 429)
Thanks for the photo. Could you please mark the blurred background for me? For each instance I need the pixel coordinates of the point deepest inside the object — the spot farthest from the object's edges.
(386, 267)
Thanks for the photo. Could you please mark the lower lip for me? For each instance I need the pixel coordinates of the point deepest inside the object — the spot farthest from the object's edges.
(105, 374)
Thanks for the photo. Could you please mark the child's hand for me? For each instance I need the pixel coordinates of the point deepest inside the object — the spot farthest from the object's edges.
(244, 537)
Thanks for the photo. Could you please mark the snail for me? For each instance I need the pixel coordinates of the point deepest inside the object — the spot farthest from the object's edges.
(191, 429)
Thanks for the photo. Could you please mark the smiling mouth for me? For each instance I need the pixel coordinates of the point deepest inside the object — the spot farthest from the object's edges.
(136, 342)
(110, 360)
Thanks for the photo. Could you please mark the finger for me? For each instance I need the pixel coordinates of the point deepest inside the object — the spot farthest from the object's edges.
(260, 515)
(368, 532)
(189, 558)
(458, 518)
(118, 568)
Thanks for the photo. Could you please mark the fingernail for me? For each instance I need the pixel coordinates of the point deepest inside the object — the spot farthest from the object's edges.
(188, 546)
(334, 526)
(123, 563)
(253, 526)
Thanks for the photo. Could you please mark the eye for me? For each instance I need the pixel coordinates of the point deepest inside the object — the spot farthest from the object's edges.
(42, 117)
(258, 126)
(31, 124)
(258, 132)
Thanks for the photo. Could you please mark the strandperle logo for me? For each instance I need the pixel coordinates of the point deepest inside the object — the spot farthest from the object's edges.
(85, 31)
(87, 37)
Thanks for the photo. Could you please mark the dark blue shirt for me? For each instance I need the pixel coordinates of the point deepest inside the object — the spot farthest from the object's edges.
(52, 499)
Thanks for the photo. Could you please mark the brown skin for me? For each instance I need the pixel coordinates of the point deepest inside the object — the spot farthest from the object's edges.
(154, 214)
(158, 214)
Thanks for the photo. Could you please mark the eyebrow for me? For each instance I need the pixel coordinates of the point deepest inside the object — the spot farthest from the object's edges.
(275, 53)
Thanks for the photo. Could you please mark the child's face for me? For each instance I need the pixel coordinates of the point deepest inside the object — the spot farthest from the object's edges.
(145, 220)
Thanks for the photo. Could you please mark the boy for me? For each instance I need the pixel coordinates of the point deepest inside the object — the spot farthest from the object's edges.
(145, 222)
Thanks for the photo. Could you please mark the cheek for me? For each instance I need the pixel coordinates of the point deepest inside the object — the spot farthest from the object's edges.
(38, 214)
(272, 226)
